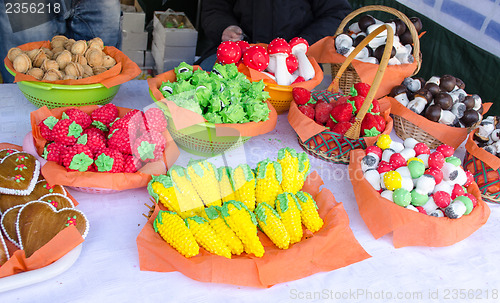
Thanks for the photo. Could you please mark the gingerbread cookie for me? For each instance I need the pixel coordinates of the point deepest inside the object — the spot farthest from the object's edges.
(7, 152)
(59, 201)
(18, 174)
(42, 188)
(4, 253)
(38, 222)
(8, 223)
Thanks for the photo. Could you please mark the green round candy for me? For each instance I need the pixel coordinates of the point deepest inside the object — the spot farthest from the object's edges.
(418, 199)
(401, 197)
(467, 202)
(416, 168)
(465, 189)
(453, 160)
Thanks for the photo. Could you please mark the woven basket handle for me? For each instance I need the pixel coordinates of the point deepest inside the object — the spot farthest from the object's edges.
(395, 12)
(355, 129)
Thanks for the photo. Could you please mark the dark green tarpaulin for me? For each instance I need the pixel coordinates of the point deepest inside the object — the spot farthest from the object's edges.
(444, 52)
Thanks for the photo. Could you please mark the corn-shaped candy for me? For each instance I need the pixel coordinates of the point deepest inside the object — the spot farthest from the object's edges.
(243, 223)
(289, 210)
(187, 197)
(304, 167)
(221, 228)
(269, 179)
(174, 231)
(162, 189)
(287, 158)
(270, 223)
(225, 183)
(203, 175)
(206, 237)
(309, 212)
(244, 185)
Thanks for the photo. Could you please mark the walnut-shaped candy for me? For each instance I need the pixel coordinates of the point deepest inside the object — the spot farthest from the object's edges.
(13, 53)
(48, 64)
(22, 63)
(36, 72)
(79, 47)
(63, 59)
(108, 61)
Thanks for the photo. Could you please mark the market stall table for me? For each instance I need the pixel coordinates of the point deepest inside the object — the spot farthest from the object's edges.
(108, 266)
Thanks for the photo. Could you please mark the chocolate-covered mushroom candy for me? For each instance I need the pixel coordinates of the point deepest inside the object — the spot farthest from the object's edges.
(432, 87)
(365, 21)
(417, 23)
(358, 39)
(400, 26)
(343, 44)
(470, 117)
(460, 83)
(433, 79)
(458, 109)
(477, 102)
(469, 102)
(495, 135)
(425, 93)
(405, 38)
(398, 92)
(412, 84)
(444, 100)
(480, 110)
(458, 95)
(433, 113)
(447, 83)
(379, 51)
(448, 118)
(418, 104)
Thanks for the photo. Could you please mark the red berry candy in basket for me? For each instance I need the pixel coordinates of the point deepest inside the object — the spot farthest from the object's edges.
(80, 117)
(77, 158)
(155, 119)
(66, 132)
(301, 95)
(105, 114)
(46, 127)
(109, 160)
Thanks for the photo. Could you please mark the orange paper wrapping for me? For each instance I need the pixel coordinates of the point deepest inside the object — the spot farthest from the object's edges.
(478, 152)
(57, 174)
(307, 128)
(183, 118)
(332, 247)
(453, 136)
(324, 51)
(411, 228)
(124, 70)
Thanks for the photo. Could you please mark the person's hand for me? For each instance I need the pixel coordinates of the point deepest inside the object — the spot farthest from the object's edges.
(232, 33)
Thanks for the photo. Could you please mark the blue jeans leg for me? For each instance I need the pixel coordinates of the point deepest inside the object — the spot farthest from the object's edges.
(208, 63)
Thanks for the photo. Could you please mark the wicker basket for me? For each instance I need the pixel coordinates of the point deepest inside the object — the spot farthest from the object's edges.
(406, 129)
(350, 76)
(334, 147)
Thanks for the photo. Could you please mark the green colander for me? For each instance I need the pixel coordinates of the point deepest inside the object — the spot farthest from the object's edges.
(200, 139)
(60, 95)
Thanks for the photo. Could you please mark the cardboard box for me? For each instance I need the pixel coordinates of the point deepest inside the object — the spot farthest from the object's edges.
(148, 59)
(136, 56)
(165, 63)
(173, 36)
(134, 41)
(133, 21)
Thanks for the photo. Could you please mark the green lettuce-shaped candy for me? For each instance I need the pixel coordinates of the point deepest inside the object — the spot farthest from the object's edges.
(213, 117)
(256, 91)
(203, 95)
(257, 111)
(199, 77)
(232, 71)
(187, 100)
(183, 72)
(183, 86)
(215, 104)
(233, 113)
(219, 71)
(168, 88)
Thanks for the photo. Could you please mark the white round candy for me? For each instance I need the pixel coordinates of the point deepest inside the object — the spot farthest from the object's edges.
(425, 159)
(437, 213)
(425, 184)
(386, 154)
(445, 186)
(373, 177)
(407, 183)
(411, 207)
(410, 143)
(450, 172)
(387, 194)
(430, 206)
(455, 210)
(397, 146)
(408, 153)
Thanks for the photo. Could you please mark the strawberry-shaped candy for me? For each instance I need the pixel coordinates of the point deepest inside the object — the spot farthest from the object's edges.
(291, 63)
(472, 198)
(301, 95)
(446, 150)
(256, 57)
(341, 127)
(228, 52)
(421, 210)
(330, 124)
(109, 161)
(371, 126)
(384, 167)
(121, 140)
(66, 132)
(470, 178)
(149, 147)
(442, 199)
(53, 152)
(436, 173)
(374, 149)
(357, 102)
(361, 89)
(298, 80)
(134, 121)
(131, 164)
(94, 131)
(421, 148)
(105, 114)
(77, 158)
(436, 159)
(397, 160)
(78, 116)
(457, 191)
(307, 110)
(322, 113)
(375, 107)
(341, 112)
(155, 119)
(93, 141)
(46, 126)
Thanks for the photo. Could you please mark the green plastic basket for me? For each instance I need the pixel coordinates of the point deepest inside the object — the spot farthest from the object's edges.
(60, 95)
(200, 139)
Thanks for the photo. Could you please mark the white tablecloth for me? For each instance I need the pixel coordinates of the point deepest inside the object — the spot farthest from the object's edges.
(108, 267)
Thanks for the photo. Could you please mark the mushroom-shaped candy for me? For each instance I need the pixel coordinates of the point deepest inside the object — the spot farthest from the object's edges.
(299, 49)
(398, 92)
(343, 44)
(256, 57)
(292, 64)
(228, 52)
(280, 49)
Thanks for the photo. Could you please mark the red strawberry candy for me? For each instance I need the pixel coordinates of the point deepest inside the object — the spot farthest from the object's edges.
(94, 131)
(457, 191)
(93, 141)
(330, 124)
(381, 122)
(436, 159)
(397, 160)
(371, 126)
(149, 147)
(53, 152)
(301, 95)
(109, 161)
(340, 101)
(384, 167)
(46, 126)
(436, 173)
(421, 210)
(358, 102)
(66, 132)
(446, 150)
(105, 114)
(307, 110)
(77, 158)
(421, 148)
(375, 108)
(442, 199)
(79, 117)
(341, 127)
(292, 63)
(322, 113)
(131, 164)
(472, 198)
(155, 119)
(362, 88)
(470, 178)
(121, 140)
(374, 149)
(341, 112)
(228, 52)
(298, 80)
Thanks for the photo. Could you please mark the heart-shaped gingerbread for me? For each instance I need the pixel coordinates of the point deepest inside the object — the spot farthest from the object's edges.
(59, 201)
(18, 174)
(4, 253)
(8, 223)
(7, 152)
(42, 188)
(38, 222)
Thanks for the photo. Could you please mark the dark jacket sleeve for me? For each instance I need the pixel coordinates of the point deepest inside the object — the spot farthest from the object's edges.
(216, 15)
(327, 15)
